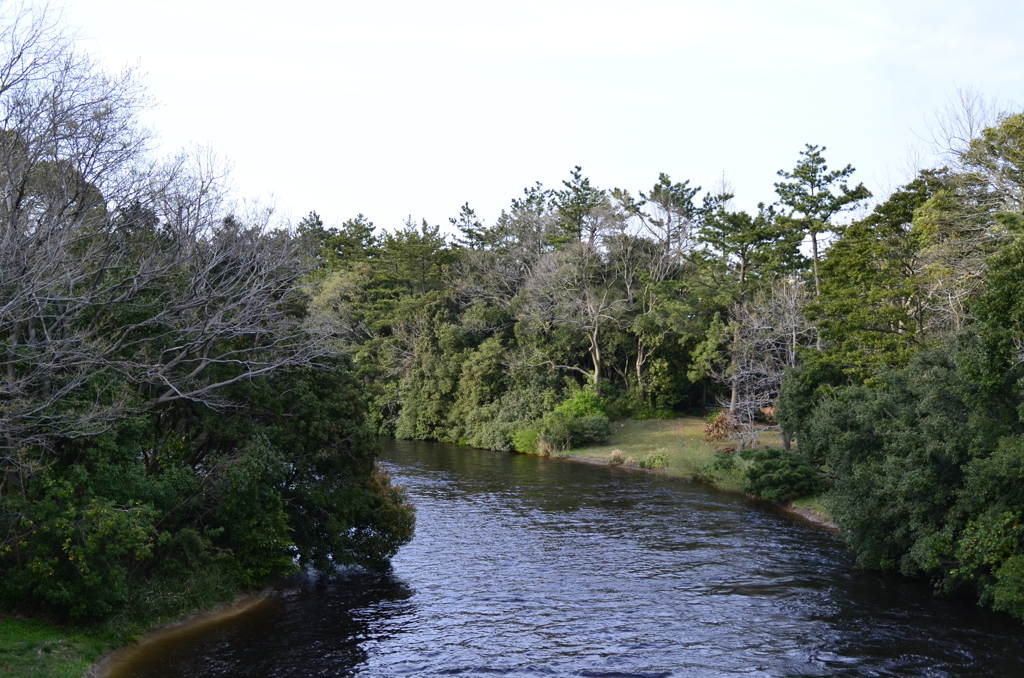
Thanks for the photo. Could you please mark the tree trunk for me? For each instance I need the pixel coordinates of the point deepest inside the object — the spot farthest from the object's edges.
(732, 368)
(817, 282)
(641, 358)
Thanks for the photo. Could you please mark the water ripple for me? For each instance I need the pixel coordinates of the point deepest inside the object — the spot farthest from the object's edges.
(533, 567)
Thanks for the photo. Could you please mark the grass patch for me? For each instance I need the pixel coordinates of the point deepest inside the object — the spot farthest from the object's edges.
(814, 505)
(36, 648)
(675, 446)
(31, 647)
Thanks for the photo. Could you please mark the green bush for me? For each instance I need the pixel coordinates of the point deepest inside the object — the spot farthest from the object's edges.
(644, 412)
(589, 430)
(723, 461)
(525, 440)
(137, 526)
(655, 460)
(582, 403)
(577, 421)
(777, 475)
(567, 433)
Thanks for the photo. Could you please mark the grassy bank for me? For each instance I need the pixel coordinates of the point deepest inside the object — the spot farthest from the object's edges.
(677, 447)
(35, 648)
(31, 647)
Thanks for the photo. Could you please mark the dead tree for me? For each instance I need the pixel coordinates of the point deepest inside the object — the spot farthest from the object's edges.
(123, 284)
(768, 332)
(574, 287)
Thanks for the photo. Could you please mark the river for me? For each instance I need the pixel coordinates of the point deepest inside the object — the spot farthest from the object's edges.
(524, 566)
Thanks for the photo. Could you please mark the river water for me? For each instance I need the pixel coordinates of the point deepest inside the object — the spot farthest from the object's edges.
(524, 566)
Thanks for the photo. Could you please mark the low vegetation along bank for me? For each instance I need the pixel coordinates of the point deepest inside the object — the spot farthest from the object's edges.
(32, 647)
(680, 447)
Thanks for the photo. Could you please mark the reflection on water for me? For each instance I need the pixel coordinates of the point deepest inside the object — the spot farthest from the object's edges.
(526, 566)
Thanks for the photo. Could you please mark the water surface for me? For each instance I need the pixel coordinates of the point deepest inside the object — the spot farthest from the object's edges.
(524, 566)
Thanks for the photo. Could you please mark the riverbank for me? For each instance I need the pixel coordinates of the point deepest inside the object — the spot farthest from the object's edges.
(676, 447)
(673, 447)
(111, 664)
(39, 649)
(33, 647)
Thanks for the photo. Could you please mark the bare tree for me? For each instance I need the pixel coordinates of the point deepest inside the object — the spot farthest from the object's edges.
(959, 122)
(574, 287)
(960, 227)
(496, 267)
(123, 286)
(768, 331)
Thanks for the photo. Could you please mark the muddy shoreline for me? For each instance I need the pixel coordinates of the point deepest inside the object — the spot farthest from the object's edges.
(111, 664)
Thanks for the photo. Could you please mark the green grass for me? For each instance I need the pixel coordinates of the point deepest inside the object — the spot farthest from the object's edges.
(31, 647)
(685, 451)
(680, 440)
(815, 506)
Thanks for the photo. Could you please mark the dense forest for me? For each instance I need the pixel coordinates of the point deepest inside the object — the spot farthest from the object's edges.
(174, 423)
(190, 395)
(886, 341)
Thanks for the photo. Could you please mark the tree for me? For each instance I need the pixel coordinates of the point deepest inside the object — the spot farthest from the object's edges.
(751, 248)
(574, 288)
(768, 333)
(872, 310)
(671, 218)
(168, 409)
(649, 243)
(122, 285)
(810, 197)
(576, 207)
(965, 222)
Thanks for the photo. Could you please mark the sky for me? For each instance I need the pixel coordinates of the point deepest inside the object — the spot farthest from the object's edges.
(410, 109)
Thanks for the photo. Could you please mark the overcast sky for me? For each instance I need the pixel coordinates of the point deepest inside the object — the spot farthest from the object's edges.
(413, 108)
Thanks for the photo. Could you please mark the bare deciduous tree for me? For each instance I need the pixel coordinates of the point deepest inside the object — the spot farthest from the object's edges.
(122, 284)
(768, 331)
(574, 287)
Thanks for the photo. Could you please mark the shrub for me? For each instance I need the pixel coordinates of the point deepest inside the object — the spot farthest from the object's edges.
(617, 458)
(582, 403)
(645, 411)
(567, 433)
(578, 421)
(723, 461)
(525, 440)
(655, 460)
(777, 475)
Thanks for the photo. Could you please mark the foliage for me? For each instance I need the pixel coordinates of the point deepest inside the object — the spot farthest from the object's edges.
(654, 460)
(525, 440)
(30, 647)
(179, 421)
(193, 491)
(925, 465)
(564, 433)
(780, 476)
(871, 312)
(915, 405)
(719, 426)
(723, 461)
(577, 421)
